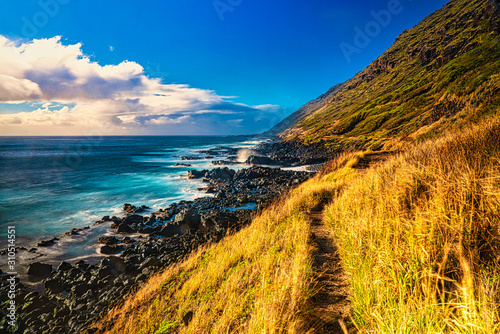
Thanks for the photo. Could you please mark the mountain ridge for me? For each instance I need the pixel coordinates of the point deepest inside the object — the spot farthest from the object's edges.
(443, 72)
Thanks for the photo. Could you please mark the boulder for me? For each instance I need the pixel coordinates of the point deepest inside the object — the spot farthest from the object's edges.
(127, 240)
(189, 216)
(123, 228)
(46, 243)
(133, 209)
(215, 221)
(111, 249)
(133, 219)
(54, 285)
(220, 174)
(108, 240)
(64, 266)
(128, 207)
(73, 231)
(150, 262)
(169, 230)
(82, 265)
(194, 174)
(133, 258)
(249, 174)
(39, 269)
(79, 289)
(260, 160)
(115, 263)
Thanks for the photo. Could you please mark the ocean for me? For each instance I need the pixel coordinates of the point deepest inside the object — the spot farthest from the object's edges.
(49, 185)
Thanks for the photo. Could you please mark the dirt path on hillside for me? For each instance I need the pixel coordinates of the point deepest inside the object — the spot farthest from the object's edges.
(330, 305)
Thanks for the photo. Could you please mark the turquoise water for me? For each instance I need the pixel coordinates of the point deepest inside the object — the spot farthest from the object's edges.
(50, 185)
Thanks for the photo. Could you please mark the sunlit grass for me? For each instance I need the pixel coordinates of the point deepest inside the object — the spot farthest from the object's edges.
(419, 236)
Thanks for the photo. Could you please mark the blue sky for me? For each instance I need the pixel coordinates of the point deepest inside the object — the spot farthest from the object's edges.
(263, 60)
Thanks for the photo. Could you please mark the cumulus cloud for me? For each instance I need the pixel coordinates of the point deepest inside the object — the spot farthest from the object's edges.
(16, 89)
(75, 94)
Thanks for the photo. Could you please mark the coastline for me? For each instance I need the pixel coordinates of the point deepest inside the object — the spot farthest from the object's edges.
(135, 246)
(51, 185)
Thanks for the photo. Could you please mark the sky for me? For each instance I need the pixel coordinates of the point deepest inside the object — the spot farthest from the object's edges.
(182, 67)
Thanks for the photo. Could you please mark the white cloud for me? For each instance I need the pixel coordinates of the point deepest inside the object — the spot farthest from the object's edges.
(17, 89)
(114, 99)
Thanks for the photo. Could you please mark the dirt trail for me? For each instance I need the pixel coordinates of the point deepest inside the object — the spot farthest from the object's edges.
(330, 305)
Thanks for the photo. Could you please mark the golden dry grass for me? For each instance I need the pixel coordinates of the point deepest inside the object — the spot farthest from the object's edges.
(420, 237)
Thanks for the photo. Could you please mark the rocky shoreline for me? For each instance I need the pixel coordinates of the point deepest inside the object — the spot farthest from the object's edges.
(75, 294)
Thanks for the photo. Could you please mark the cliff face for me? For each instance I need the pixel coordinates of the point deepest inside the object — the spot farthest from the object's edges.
(445, 72)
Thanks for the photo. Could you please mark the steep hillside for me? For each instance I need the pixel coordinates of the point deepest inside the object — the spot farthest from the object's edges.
(444, 72)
